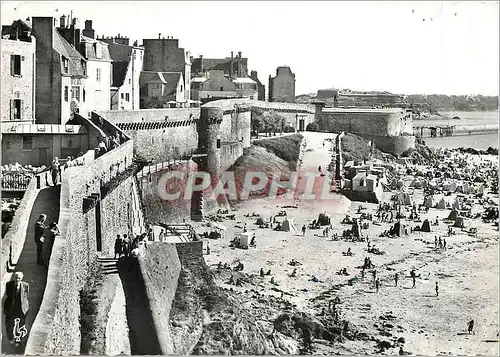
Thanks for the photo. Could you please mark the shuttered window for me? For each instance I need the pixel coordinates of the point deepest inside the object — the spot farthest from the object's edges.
(15, 65)
(16, 106)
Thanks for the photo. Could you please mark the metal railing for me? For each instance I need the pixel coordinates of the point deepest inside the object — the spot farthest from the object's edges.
(16, 181)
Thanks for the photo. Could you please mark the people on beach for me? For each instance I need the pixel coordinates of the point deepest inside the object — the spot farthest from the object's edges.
(437, 289)
(413, 277)
(396, 278)
(470, 326)
(304, 230)
(377, 284)
(444, 244)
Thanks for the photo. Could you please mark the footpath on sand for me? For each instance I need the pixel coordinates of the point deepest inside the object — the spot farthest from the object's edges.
(46, 202)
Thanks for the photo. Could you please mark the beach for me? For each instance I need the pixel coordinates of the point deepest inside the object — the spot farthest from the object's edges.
(467, 272)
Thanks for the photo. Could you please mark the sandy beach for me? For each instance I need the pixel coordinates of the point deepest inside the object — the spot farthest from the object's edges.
(467, 272)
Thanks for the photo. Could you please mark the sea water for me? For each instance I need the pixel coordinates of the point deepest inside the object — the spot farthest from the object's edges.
(480, 141)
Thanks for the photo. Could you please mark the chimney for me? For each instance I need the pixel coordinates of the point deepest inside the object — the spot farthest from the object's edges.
(201, 63)
(159, 36)
(239, 65)
(88, 31)
(62, 22)
(75, 23)
(231, 66)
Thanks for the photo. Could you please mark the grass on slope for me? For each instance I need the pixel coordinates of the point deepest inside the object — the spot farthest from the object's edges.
(357, 148)
(285, 147)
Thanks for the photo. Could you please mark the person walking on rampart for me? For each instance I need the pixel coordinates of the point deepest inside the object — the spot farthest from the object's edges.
(39, 230)
(48, 243)
(55, 170)
(15, 308)
(118, 247)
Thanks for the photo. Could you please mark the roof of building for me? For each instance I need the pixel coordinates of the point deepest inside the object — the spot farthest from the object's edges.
(244, 80)
(223, 64)
(65, 49)
(198, 79)
(119, 52)
(371, 177)
(362, 110)
(92, 47)
(119, 73)
(360, 175)
(29, 128)
(170, 79)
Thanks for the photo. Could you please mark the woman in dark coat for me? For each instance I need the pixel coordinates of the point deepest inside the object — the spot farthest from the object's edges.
(48, 243)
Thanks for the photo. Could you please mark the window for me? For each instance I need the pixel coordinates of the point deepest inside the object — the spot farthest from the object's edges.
(121, 95)
(27, 143)
(15, 65)
(15, 109)
(66, 93)
(83, 94)
(218, 143)
(133, 56)
(129, 81)
(181, 87)
(65, 63)
(127, 97)
(221, 89)
(97, 51)
(84, 67)
(75, 93)
(98, 74)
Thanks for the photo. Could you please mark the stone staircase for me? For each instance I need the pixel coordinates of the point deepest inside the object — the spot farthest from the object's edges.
(137, 215)
(108, 265)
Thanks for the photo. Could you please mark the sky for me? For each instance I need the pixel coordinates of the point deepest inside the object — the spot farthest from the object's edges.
(401, 47)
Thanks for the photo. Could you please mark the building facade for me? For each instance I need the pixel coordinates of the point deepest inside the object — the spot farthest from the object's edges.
(161, 89)
(165, 55)
(261, 89)
(61, 71)
(18, 76)
(282, 86)
(99, 72)
(215, 85)
(127, 63)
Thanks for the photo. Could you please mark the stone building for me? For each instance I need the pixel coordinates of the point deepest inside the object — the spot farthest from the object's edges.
(61, 71)
(99, 71)
(215, 85)
(37, 144)
(18, 73)
(165, 55)
(234, 66)
(282, 86)
(161, 89)
(127, 61)
(261, 89)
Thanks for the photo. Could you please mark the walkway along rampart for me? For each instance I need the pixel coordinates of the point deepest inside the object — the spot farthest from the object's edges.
(93, 208)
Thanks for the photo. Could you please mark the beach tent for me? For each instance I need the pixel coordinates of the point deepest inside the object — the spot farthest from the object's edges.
(428, 202)
(416, 183)
(426, 226)
(459, 222)
(441, 204)
(403, 198)
(245, 239)
(453, 214)
(324, 219)
(288, 225)
(398, 229)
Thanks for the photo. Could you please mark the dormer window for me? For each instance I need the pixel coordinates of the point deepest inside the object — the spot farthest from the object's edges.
(97, 51)
(65, 62)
